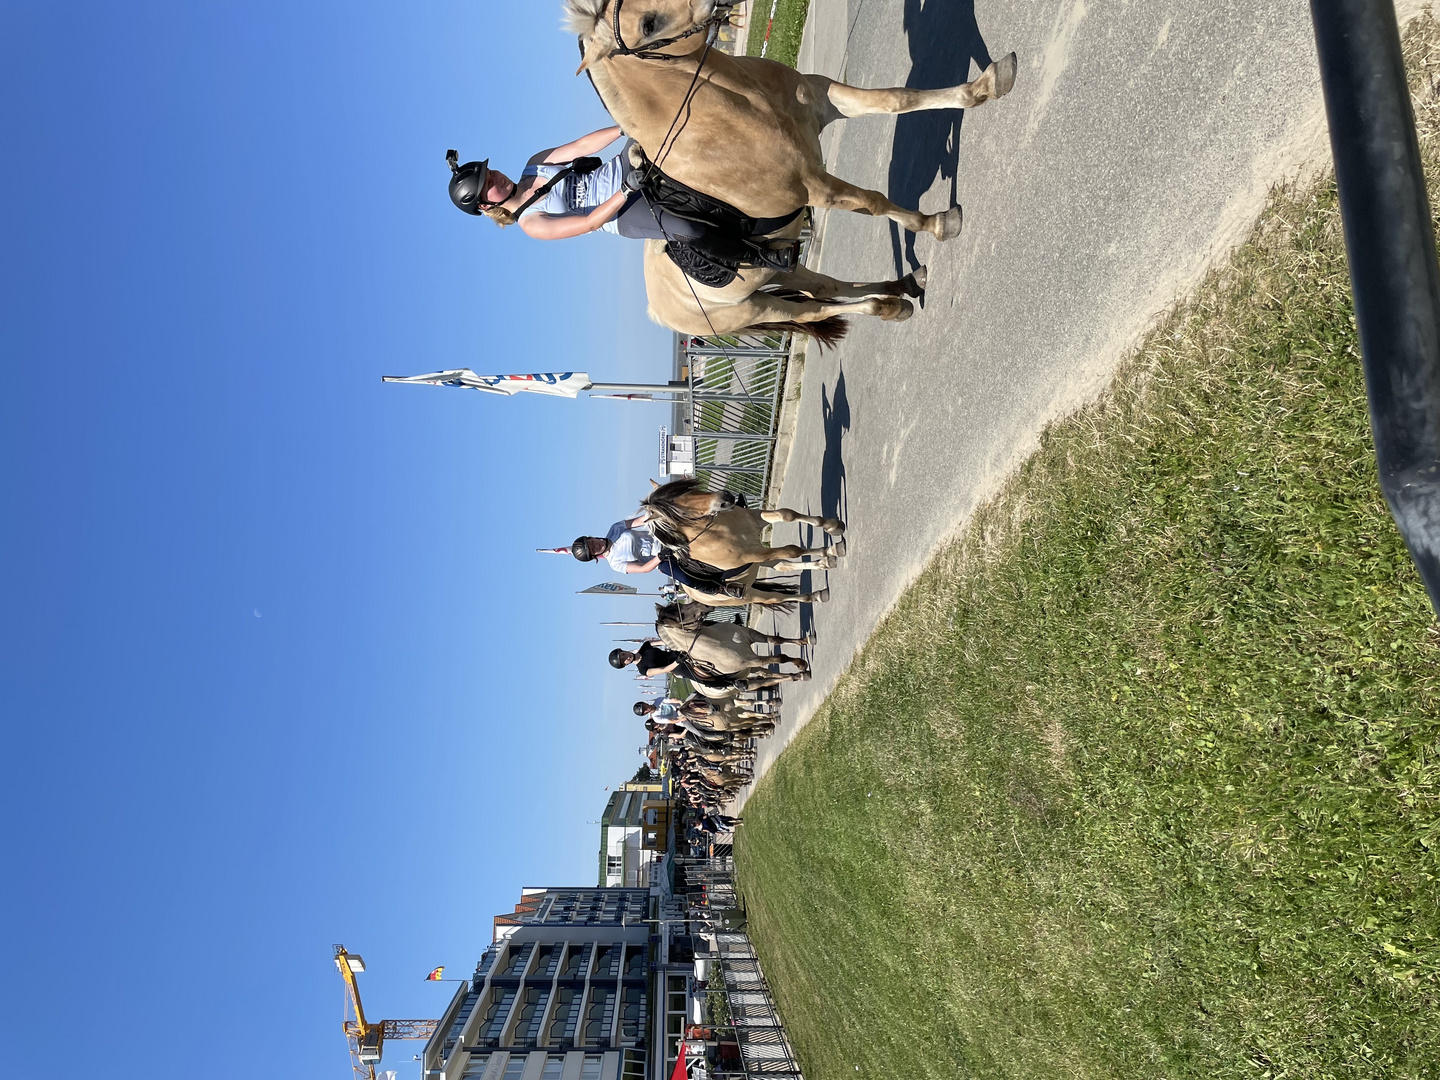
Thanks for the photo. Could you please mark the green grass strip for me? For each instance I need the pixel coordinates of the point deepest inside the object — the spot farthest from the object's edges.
(1142, 777)
(784, 33)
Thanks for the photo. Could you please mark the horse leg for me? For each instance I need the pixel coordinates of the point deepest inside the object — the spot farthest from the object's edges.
(830, 192)
(819, 596)
(776, 639)
(823, 287)
(763, 307)
(833, 526)
(799, 566)
(995, 81)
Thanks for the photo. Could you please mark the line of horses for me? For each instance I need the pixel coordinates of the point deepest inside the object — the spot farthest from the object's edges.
(745, 131)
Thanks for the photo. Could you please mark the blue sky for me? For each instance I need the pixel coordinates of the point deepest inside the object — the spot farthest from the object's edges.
(278, 665)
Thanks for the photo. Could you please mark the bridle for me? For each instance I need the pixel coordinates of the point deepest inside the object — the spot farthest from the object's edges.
(652, 51)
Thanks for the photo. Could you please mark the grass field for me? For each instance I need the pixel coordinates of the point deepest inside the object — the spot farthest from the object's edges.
(784, 33)
(1142, 777)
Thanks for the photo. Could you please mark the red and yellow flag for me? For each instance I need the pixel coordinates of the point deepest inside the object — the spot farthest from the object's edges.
(436, 975)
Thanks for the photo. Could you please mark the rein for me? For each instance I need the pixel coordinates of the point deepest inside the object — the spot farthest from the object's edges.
(651, 52)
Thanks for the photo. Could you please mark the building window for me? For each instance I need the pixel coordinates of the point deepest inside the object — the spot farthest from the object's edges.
(590, 1068)
(554, 1066)
(515, 1066)
(476, 1066)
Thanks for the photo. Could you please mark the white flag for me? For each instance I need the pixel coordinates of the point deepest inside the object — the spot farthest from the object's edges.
(555, 383)
(610, 587)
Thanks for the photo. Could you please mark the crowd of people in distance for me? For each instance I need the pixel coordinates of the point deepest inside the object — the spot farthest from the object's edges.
(709, 749)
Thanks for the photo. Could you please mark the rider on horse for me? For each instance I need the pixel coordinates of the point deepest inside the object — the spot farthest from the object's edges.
(631, 548)
(565, 192)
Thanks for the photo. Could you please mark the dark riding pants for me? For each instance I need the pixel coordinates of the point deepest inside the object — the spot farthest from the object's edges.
(668, 567)
(636, 220)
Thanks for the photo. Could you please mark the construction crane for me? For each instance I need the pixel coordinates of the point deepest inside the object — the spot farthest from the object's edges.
(367, 1039)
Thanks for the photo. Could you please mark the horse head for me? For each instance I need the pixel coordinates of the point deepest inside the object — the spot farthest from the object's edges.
(652, 29)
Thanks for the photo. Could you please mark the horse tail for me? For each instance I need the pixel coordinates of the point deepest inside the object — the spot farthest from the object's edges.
(827, 332)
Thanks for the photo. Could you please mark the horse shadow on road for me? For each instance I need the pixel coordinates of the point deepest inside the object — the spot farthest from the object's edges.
(944, 38)
(834, 497)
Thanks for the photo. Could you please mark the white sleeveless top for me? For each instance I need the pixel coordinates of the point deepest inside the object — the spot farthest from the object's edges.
(576, 196)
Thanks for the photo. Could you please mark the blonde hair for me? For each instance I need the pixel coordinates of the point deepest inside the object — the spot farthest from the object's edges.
(499, 215)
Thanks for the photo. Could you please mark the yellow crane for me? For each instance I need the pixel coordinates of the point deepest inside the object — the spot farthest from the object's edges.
(367, 1039)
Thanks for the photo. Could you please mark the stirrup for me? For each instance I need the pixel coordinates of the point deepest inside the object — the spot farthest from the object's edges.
(783, 258)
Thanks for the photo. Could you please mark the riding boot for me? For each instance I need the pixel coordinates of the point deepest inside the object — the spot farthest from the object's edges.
(783, 256)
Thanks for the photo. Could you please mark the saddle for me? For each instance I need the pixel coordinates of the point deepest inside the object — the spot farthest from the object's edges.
(733, 240)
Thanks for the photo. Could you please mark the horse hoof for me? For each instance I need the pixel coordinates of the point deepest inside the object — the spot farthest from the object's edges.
(950, 223)
(833, 526)
(836, 549)
(915, 281)
(1004, 69)
(823, 596)
(903, 311)
(811, 637)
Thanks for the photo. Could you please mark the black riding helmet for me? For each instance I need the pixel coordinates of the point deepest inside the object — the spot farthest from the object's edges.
(468, 182)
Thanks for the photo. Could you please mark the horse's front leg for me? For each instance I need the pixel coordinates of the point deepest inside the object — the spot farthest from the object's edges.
(995, 81)
(833, 526)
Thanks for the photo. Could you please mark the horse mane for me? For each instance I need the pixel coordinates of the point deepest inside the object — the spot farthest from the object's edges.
(667, 518)
(582, 15)
(681, 616)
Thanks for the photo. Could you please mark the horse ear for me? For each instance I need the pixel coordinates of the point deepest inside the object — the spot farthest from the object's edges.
(593, 51)
(653, 485)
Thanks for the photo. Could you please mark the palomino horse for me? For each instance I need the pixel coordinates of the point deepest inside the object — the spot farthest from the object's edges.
(710, 528)
(747, 131)
(727, 649)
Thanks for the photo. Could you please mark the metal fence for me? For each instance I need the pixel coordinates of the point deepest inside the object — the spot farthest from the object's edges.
(735, 386)
(742, 1007)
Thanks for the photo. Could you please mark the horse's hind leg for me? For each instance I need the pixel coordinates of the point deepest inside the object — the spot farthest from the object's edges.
(823, 287)
(764, 308)
(799, 566)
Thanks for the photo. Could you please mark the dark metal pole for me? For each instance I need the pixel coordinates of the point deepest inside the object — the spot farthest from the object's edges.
(1393, 270)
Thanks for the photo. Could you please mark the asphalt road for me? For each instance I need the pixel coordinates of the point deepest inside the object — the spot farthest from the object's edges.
(1135, 151)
